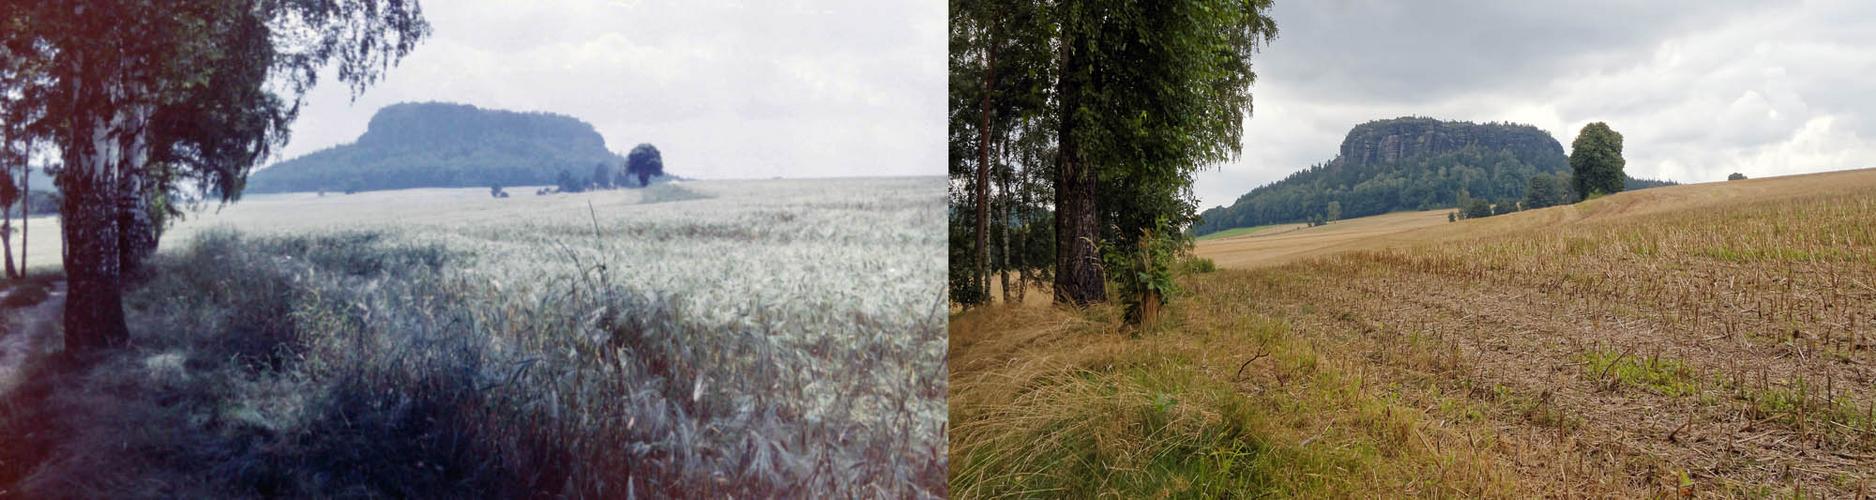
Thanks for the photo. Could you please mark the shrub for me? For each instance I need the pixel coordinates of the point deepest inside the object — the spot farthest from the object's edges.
(1143, 275)
(1196, 265)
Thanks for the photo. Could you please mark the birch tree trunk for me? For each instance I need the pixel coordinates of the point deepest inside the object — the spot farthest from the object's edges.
(94, 304)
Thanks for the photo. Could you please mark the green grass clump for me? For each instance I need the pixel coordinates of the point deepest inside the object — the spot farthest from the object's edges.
(1664, 376)
(1196, 265)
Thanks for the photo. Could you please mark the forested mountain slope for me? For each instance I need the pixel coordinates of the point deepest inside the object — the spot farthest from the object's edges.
(414, 145)
(1411, 163)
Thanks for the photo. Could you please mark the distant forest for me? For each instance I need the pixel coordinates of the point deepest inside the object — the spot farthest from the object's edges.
(446, 145)
(1409, 163)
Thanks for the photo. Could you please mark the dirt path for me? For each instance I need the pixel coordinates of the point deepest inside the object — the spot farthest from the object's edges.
(30, 335)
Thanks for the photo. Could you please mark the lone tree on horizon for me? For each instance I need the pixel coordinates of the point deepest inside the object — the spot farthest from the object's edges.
(644, 162)
(1596, 161)
(140, 97)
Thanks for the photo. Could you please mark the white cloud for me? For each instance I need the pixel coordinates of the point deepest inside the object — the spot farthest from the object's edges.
(726, 88)
(1698, 89)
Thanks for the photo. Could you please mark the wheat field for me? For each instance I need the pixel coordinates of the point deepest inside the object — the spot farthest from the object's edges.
(703, 338)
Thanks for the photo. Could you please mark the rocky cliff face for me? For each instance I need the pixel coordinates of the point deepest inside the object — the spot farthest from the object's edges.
(1390, 141)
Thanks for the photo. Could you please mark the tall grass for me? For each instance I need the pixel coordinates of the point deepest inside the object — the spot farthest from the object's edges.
(532, 357)
(1064, 404)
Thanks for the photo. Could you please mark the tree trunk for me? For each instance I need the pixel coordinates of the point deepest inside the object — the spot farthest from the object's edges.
(136, 228)
(26, 212)
(6, 238)
(983, 173)
(1003, 188)
(1021, 200)
(1078, 277)
(94, 304)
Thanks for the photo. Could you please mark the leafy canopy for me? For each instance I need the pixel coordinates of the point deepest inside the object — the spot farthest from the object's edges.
(1596, 160)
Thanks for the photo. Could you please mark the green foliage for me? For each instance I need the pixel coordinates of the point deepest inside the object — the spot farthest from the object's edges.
(1596, 161)
(221, 81)
(1547, 190)
(644, 162)
(1161, 90)
(1477, 208)
(1196, 265)
(1142, 95)
(414, 145)
(1430, 163)
(1664, 376)
(1736, 176)
(1143, 273)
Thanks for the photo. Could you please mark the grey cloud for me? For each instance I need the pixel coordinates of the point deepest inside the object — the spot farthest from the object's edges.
(1700, 89)
(726, 88)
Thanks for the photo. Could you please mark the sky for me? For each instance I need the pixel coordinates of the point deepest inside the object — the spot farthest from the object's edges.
(724, 88)
(1698, 89)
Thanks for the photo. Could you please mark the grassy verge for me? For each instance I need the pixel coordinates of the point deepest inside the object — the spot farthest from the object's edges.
(1240, 231)
(1050, 402)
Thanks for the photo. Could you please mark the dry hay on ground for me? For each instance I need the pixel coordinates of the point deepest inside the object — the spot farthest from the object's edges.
(1712, 339)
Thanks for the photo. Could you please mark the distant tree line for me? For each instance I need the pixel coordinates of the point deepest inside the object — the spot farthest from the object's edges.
(641, 165)
(1596, 169)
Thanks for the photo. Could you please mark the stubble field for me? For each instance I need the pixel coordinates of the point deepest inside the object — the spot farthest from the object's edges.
(1707, 340)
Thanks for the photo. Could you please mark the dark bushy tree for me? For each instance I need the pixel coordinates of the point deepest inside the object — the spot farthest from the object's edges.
(1546, 191)
(1146, 93)
(569, 184)
(644, 162)
(1736, 177)
(602, 176)
(1596, 161)
(1478, 208)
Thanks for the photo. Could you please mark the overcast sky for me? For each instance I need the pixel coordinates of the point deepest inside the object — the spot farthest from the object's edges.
(725, 89)
(1698, 89)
